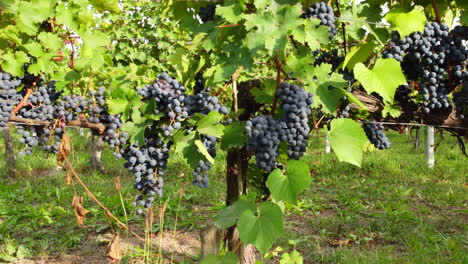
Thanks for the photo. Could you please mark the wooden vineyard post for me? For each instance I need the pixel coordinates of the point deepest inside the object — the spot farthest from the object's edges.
(9, 152)
(416, 139)
(429, 152)
(327, 143)
(95, 159)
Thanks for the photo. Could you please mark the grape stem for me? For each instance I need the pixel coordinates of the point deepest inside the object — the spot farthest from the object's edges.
(23, 103)
(235, 76)
(278, 83)
(343, 26)
(108, 213)
(230, 25)
(436, 10)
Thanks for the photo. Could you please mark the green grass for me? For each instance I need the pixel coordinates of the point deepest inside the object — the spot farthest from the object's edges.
(392, 210)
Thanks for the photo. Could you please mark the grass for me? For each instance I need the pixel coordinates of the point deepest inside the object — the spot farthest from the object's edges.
(392, 210)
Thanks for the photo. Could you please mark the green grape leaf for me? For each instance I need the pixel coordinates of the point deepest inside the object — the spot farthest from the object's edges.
(293, 258)
(117, 106)
(232, 13)
(383, 79)
(261, 228)
(312, 34)
(66, 15)
(106, 5)
(209, 124)
(261, 24)
(204, 151)
(347, 139)
(228, 258)
(234, 135)
(136, 131)
(330, 91)
(13, 63)
(406, 23)
(50, 40)
(358, 53)
(262, 4)
(93, 39)
(11, 33)
(31, 14)
(391, 110)
(188, 148)
(34, 49)
(228, 216)
(288, 187)
(265, 95)
(43, 64)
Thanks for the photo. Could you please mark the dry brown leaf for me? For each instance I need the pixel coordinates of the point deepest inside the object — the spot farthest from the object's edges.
(69, 178)
(118, 186)
(113, 250)
(64, 148)
(80, 211)
(181, 193)
(338, 242)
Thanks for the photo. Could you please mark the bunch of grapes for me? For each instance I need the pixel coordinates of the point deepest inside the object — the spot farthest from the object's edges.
(207, 13)
(201, 171)
(8, 97)
(430, 57)
(460, 99)
(169, 95)
(40, 104)
(175, 106)
(263, 138)
(324, 13)
(147, 164)
(294, 127)
(203, 102)
(376, 135)
(27, 137)
(264, 133)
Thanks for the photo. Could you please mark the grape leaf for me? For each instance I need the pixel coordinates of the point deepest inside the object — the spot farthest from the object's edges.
(31, 14)
(311, 34)
(234, 135)
(358, 53)
(347, 139)
(265, 95)
(204, 151)
(117, 106)
(287, 187)
(231, 12)
(34, 49)
(209, 124)
(50, 40)
(330, 92)
(106, 5)
(228, 216)
(293, 258)
(261, 24)
(384, 78)
(228, 258)
(261, 228)
(391, 110)
(13, 63)
(406, 23)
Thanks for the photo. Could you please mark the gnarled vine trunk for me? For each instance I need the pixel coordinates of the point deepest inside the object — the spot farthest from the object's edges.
(236, 175)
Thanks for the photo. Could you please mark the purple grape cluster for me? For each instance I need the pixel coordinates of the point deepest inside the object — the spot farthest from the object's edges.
(426, 58)
(376, 134)
(324, 13)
